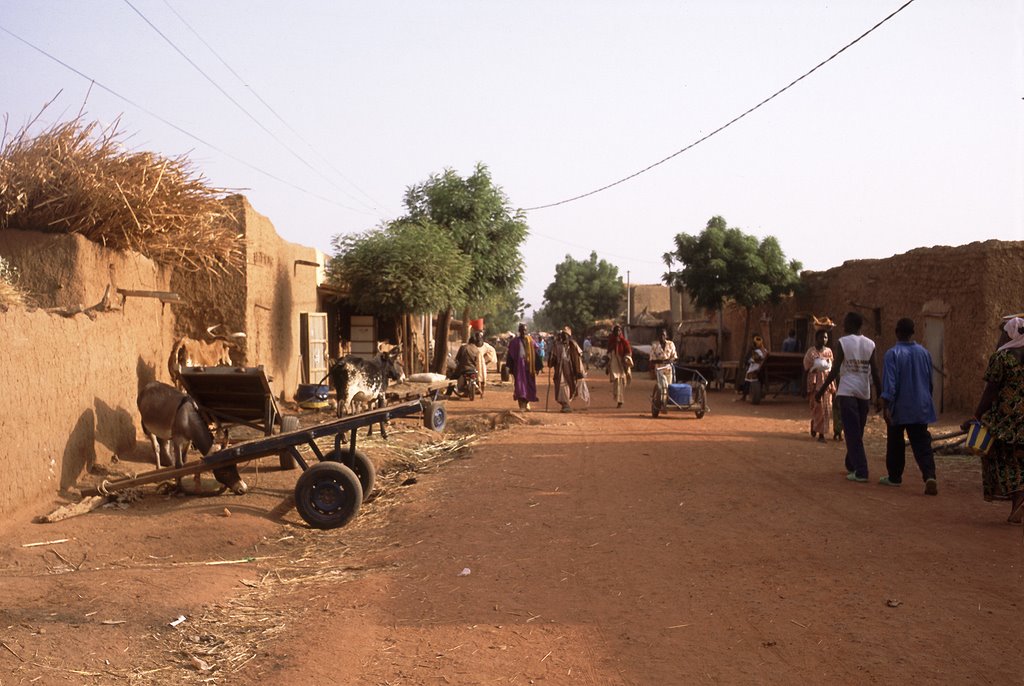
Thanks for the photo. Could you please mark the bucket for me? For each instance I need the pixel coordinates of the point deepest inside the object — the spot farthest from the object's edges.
(979, 440)
(476, 324)
(312, 396)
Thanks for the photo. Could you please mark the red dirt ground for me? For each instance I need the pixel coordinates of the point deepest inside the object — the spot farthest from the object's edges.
(602, 547)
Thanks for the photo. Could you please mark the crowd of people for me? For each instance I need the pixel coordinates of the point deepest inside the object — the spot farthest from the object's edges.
(903, 394)
(842, 379)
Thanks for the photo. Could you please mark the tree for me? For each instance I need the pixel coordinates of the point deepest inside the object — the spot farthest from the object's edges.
(476, 215)
(407, 267)
(582, 292)
(503, 312)
(724, 264)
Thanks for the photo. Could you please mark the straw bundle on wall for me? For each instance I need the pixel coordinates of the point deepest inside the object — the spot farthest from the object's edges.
(77, 177)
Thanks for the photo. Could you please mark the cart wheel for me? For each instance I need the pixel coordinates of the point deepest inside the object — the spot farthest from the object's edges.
(288, 423)
(361, 465)
(755, 392)
(701, 399)
(328, 495)
(434, 415)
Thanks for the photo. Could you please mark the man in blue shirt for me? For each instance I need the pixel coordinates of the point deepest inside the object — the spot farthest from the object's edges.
(790, 344)
(907, 406)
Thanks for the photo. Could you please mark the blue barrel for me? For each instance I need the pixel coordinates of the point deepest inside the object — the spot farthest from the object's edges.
(680, 393)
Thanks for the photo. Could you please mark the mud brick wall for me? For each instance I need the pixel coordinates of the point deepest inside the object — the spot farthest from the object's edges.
(70, 383)
(968, 288)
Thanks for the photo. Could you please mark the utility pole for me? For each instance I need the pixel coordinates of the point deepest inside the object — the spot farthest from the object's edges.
(629, 300)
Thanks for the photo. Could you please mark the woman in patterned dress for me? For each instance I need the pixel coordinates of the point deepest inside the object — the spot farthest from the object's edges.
(818, 363)
(1001, 409)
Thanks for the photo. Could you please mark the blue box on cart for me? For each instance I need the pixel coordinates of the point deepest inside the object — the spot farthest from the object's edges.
(680, 393)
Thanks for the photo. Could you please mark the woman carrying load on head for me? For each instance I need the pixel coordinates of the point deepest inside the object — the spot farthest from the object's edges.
(620, 356)
(1001, 409)
(755, 360)
(818, 363)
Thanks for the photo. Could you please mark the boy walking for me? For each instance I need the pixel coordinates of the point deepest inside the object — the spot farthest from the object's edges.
(907, 407)
(855, 366)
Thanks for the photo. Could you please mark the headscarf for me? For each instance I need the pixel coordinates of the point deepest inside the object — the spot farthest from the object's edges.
(758, 342)
(1014, 328)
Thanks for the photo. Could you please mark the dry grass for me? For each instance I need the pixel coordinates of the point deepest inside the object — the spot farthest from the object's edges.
(78, 177)
(225, 638)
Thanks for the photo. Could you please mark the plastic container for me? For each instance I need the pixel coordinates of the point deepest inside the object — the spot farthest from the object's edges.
(979, 440)
(312, 396)
(680, 393)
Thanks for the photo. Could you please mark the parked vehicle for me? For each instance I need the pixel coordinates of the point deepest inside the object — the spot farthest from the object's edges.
(467, 385)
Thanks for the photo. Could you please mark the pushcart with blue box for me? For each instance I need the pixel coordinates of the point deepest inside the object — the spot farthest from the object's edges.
(689, 396)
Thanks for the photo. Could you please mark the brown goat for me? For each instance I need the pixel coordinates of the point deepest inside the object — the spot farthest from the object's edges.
(189, 352)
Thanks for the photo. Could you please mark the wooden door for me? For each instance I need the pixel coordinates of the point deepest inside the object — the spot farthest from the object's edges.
(363, 335)
(313, 339)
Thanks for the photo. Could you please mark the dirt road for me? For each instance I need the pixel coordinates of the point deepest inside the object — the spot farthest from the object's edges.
(598, 547)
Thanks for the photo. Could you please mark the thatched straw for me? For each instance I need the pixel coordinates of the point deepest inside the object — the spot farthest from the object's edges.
(77, 177)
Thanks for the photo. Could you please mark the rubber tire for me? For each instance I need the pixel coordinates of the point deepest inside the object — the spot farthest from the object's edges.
(655, 406)
(361, 465)
(328, 495)
(700, 414)
(435, 415)
(289, 422)
(504, 374)
(756, 392)
(471, 390)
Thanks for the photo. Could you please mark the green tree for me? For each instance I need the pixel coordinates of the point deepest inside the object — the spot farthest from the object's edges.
(724, 264)
(583, 291)
(476, 214)
(406, 267)
(503, 312)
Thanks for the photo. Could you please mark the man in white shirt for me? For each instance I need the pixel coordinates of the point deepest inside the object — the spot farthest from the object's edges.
(856, 369)
(663, 354)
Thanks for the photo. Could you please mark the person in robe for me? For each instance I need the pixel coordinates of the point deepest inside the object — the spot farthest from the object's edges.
(566, 360)
(523, 358)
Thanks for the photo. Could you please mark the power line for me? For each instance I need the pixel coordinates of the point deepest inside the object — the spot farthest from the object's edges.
(267, 105)
(727, 124)
(234, 102)
(602, 253)
(178, 128)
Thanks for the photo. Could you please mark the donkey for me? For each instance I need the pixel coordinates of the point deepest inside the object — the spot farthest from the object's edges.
(172, 422)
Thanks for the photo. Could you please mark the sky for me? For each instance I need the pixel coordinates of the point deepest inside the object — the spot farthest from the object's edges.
(323, 112)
